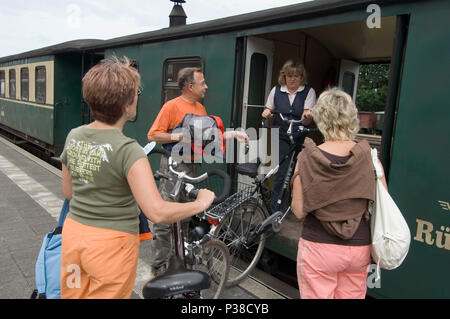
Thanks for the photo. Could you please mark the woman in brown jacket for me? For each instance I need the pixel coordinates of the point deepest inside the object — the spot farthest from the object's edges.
(332, 185)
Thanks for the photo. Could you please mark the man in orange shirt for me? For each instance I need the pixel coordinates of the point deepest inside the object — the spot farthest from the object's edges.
(192, 84)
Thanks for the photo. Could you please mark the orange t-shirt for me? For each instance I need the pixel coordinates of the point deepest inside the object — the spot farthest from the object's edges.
(172, 113)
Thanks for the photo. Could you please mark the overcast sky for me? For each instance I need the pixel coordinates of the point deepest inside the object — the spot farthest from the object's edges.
(31, 24)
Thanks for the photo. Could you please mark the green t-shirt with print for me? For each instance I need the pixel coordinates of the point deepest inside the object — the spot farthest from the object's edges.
(98, 161)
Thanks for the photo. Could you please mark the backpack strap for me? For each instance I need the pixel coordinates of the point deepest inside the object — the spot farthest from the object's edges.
(376, 165)
(40, 279)
(63, 213)
(221, 131)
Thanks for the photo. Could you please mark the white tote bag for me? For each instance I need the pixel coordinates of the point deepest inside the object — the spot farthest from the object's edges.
(390, 232)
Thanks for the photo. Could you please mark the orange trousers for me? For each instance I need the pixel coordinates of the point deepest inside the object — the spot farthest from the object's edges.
(97, 263)
(326, 271)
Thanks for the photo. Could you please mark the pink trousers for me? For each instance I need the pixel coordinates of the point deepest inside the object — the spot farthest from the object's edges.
(326, 271)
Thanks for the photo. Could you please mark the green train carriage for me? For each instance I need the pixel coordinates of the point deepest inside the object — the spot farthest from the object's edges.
(241, 57)
(40, 93)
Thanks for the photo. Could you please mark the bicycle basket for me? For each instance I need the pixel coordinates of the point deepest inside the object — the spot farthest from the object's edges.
(243, 193)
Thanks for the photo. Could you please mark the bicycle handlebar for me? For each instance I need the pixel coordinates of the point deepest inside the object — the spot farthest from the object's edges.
(288, 121)
(183, 177)
(193, 192)
(290, 131)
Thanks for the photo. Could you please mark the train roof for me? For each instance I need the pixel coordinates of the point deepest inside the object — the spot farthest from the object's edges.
(69, 46)
(234, 23)
(256, 19)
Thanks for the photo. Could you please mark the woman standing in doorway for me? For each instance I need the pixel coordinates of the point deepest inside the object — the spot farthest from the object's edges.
(294, 98)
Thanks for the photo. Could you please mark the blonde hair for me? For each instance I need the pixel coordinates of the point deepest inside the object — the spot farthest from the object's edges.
(336, 115)
(291, 67)
(109, 86)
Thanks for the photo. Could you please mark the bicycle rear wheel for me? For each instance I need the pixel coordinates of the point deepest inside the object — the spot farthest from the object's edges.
(212, 258)
(235, 231)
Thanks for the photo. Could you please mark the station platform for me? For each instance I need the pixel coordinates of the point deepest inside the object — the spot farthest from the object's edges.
(30, 201)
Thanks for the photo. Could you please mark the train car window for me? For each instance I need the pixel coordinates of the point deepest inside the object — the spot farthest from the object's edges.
(24, 87)
(348, 82)
(134, 64)
(41, 84)
(257, 83)
(170, 72)
(256, 90)
(2, 83)
(12, 84)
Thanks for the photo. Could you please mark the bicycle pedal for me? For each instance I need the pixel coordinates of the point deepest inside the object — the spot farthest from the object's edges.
(189, 259)
(192, 295)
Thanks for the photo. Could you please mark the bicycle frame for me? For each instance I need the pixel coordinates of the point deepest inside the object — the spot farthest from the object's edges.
(178, 280)
(243, 223)
(276, 219)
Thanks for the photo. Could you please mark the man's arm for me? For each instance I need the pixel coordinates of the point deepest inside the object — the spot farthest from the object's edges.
(159, 131)
(164, 138)
(240, 136)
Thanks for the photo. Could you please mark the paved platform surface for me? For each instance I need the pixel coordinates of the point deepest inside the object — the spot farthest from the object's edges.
(30, 201)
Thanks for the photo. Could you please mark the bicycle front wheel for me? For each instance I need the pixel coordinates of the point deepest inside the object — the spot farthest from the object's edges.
(213, 258)
(237, 232)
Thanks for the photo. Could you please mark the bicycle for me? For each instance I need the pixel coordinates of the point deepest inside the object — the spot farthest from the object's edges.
(244, 222)
(208, 258)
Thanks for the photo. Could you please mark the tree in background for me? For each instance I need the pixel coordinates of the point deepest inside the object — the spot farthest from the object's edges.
(372, 87)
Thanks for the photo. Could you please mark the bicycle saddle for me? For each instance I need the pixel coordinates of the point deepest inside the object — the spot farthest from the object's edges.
(176, 280)
(248, 169)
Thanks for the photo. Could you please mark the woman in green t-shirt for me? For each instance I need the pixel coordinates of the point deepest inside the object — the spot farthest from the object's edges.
(108, 177)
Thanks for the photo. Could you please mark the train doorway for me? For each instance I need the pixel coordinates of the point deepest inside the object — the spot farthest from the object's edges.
(257, 85)
(333, 55)
(88, 60)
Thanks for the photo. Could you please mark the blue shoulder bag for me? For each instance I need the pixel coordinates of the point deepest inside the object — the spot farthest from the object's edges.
(48, 263)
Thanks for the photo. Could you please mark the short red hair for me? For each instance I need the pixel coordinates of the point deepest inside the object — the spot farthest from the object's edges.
(108, 87)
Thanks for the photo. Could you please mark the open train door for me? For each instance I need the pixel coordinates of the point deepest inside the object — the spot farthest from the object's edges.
(257, 85)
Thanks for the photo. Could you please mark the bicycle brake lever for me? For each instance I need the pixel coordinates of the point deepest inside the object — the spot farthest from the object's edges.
(176, 189)
(157, 176)
(148, 148)
(247, 148)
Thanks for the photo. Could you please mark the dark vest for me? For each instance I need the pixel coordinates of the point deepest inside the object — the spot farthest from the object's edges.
(283, 105)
